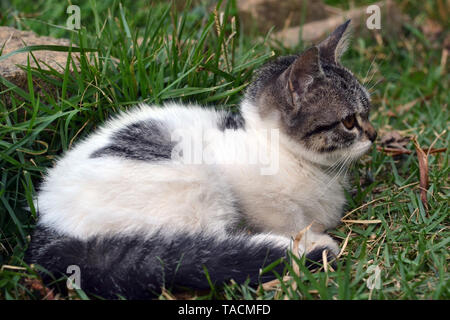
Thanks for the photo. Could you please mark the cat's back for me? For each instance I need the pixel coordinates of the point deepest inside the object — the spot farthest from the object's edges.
(147, 133)
(123, 177)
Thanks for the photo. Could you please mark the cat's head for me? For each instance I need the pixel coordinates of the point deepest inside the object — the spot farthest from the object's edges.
(317, 102)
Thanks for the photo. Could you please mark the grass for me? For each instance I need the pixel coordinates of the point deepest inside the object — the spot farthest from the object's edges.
(153, 53)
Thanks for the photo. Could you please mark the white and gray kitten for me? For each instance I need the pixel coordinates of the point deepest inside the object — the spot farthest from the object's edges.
(135, 219)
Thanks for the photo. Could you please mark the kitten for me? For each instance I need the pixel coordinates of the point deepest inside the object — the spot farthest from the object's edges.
(127, 208)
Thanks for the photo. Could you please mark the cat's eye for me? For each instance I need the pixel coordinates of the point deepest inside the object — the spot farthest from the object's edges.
(349, 122)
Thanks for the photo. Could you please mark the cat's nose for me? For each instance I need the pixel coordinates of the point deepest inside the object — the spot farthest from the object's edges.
(370, 131)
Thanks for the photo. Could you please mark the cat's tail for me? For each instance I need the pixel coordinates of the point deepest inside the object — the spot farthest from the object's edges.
(137, 267)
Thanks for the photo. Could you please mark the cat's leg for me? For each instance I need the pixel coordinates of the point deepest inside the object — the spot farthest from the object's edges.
(312, 245)
(312, 242)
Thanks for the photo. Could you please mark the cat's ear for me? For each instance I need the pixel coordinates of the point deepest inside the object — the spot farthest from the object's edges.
(333, 47)
(301, 74)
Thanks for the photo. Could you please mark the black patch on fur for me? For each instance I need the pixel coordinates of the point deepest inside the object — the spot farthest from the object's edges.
(145, 140)
(136, 267)
(232, 120)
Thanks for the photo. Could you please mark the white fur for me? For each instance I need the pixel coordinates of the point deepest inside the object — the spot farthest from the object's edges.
(83, 196)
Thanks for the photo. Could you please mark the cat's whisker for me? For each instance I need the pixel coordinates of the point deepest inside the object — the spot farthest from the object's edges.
(368, 71)
(342, 167)
(335, 175)
(334, 166)
(375, 84)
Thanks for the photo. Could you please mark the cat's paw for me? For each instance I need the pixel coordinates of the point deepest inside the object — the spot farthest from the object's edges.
(315, 258)
(322, 242)
(315, 244)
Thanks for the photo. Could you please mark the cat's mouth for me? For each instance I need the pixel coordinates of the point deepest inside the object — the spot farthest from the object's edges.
(361, 148)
